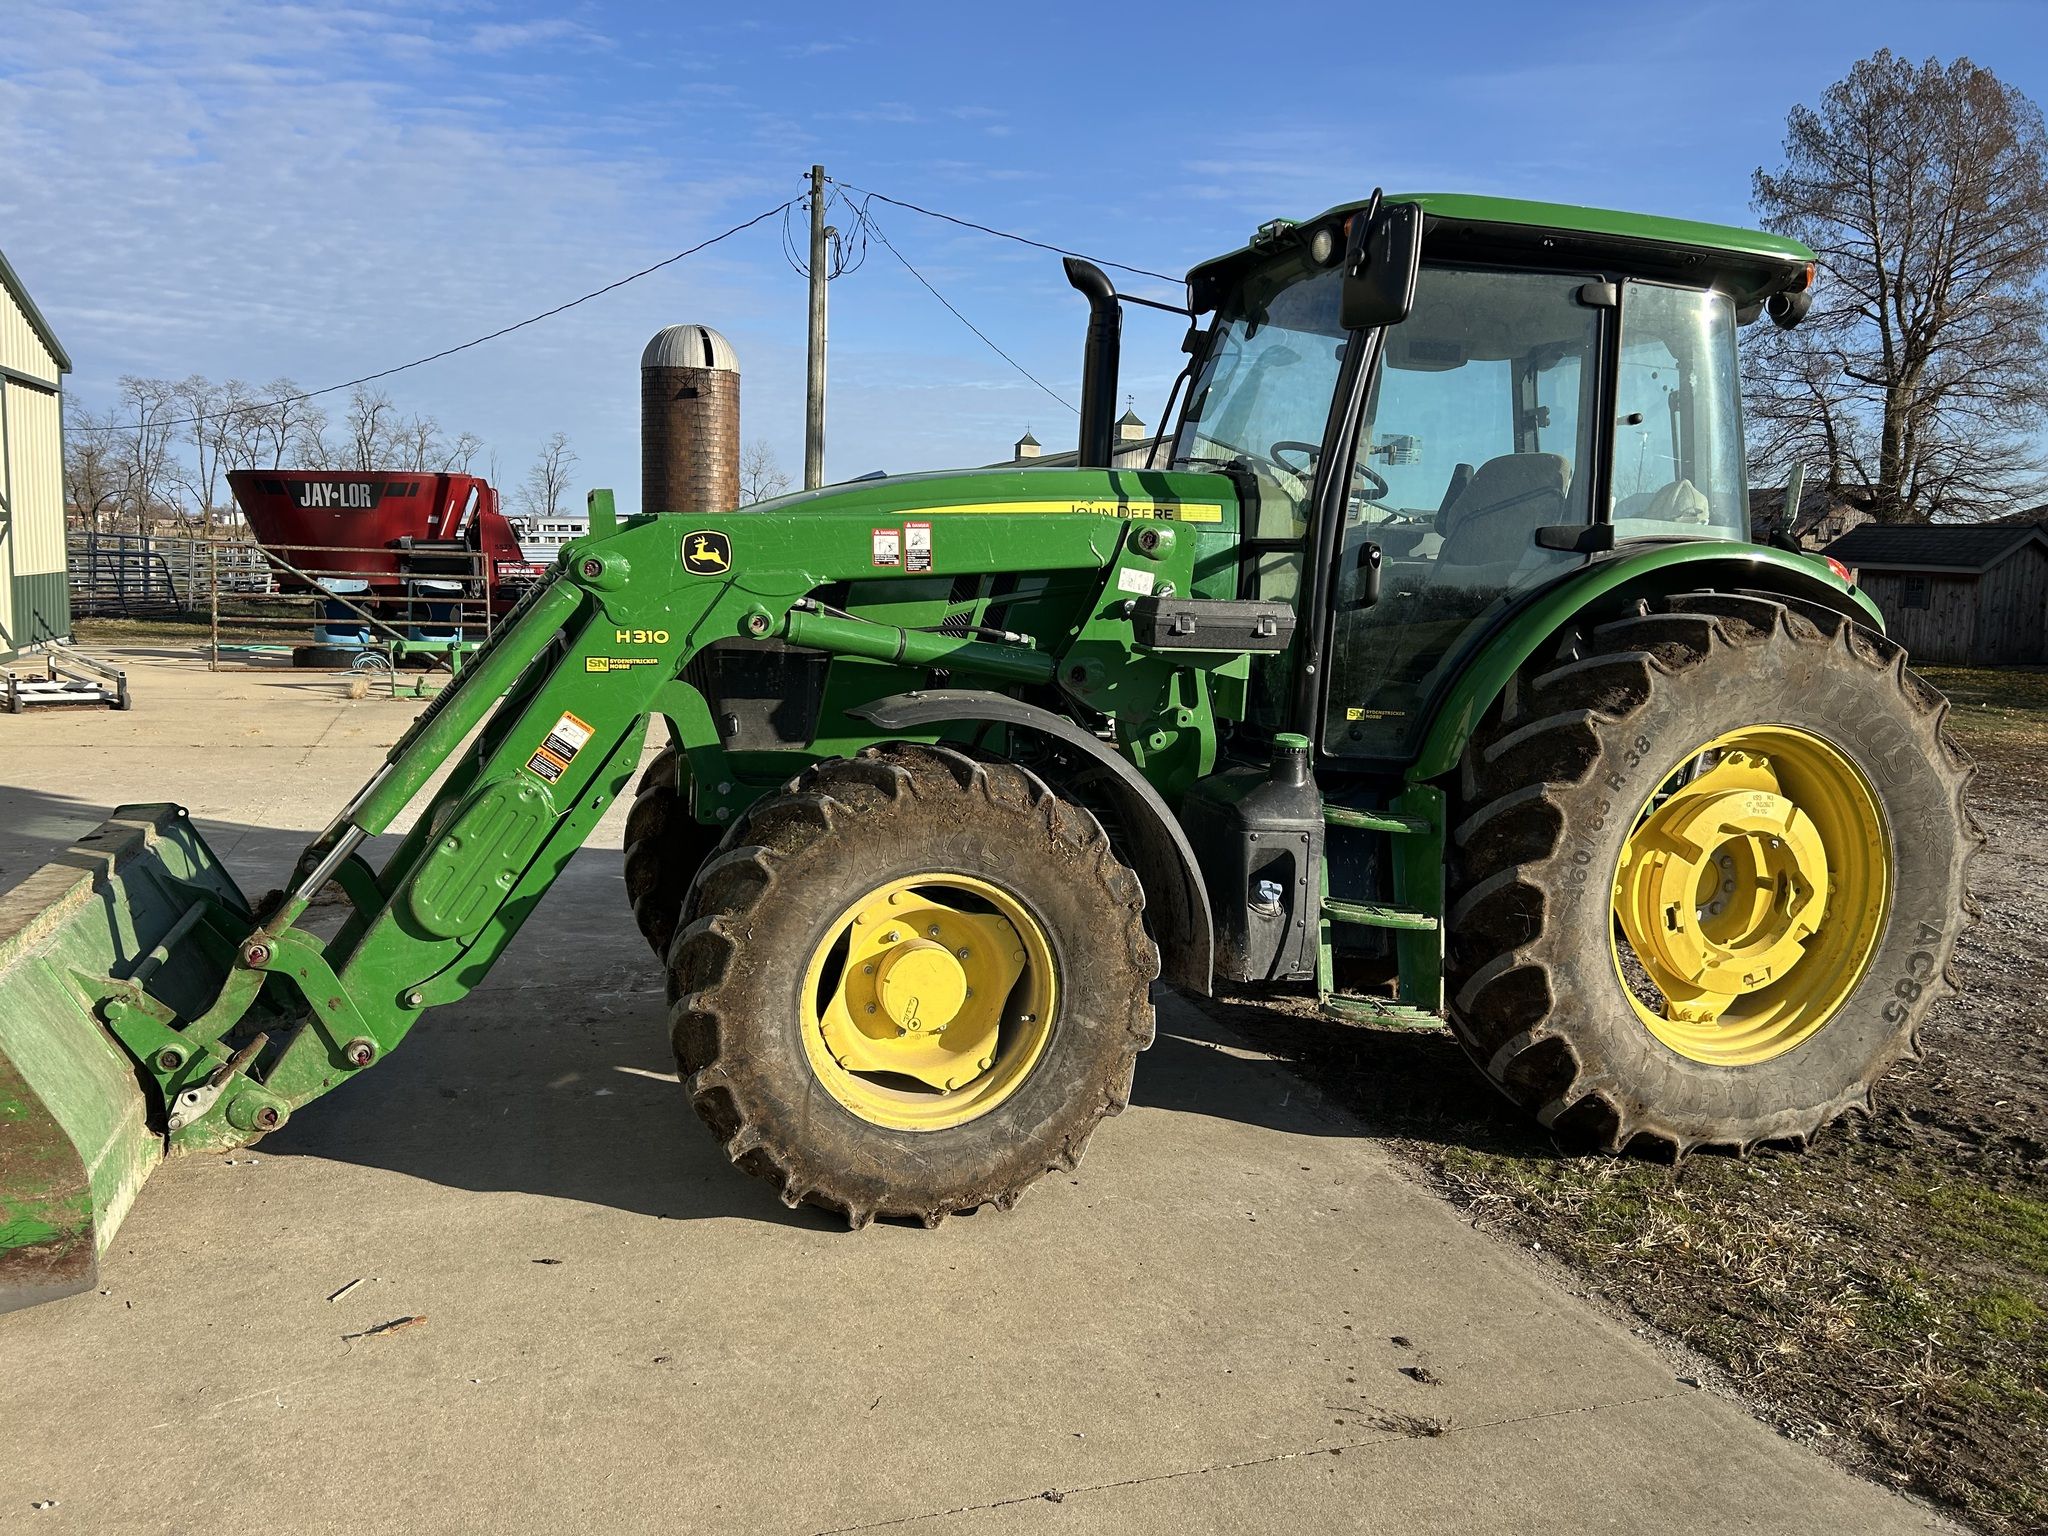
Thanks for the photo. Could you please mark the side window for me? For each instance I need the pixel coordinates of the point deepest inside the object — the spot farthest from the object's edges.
(1678, 460)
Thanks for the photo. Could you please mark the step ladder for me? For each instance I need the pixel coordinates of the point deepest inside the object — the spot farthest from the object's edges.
(67, 677)
(1408, 923)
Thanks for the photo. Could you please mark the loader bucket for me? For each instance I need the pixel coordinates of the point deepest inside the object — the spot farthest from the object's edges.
(80, 1124)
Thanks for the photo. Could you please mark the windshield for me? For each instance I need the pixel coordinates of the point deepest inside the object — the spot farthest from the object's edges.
(1263, 392)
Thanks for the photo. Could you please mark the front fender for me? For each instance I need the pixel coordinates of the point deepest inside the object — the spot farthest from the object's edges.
(1149, 836)
(1495, 656)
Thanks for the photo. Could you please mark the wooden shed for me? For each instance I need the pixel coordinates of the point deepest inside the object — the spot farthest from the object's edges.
(1961, 594)
(34, 604)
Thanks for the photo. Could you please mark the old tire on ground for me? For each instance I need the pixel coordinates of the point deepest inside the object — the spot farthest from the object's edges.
(826, 1018)
(335, 658)
(665, 847)
(1708, 875)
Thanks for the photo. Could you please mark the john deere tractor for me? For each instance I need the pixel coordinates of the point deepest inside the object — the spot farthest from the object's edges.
(1431, 665)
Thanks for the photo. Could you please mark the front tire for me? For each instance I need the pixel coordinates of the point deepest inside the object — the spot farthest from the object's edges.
(912, 984)
(1710, 875)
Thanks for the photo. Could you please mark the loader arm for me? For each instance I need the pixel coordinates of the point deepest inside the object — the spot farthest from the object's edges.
(152, 1009)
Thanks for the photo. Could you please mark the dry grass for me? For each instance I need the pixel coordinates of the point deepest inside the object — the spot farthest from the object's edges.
(1994, 707)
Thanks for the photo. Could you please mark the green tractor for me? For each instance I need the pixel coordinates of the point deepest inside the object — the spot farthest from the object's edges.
(1432, 665)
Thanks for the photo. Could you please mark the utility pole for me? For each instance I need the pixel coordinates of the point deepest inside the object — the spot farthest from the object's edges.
(814, 382)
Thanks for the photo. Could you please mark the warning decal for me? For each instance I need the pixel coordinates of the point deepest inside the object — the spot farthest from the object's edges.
(917, 547)
(888, 547)
(554, 755)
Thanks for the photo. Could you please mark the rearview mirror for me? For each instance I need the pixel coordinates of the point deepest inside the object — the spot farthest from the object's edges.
(1380, 267)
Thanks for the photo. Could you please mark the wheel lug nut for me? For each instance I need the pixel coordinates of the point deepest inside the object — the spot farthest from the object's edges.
(867, 970)
(891, 937)
(933, 930)
(871, 1007)
(961, 953)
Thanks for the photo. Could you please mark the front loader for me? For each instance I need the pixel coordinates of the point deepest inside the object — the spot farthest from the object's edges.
(1432, 668)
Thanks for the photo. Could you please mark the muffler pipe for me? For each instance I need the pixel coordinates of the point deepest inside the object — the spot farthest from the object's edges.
(1100, 362)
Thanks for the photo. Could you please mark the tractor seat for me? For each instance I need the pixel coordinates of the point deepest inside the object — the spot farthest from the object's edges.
(1493, 521)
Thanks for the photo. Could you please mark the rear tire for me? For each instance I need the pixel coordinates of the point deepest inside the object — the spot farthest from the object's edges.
(765, 914)
(665, 847)
(1558, 783)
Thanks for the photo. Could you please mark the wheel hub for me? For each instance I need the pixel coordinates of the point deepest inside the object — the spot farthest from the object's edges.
(1722, 886)
(913, 1028)
(1752, 895)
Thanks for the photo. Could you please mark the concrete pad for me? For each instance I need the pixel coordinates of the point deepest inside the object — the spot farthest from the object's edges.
(618, 1331)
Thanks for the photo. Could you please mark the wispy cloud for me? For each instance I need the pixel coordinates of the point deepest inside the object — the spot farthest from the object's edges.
(505, 36)
(276, 191)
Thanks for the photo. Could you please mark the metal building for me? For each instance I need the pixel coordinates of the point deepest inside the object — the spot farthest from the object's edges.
(34, 605)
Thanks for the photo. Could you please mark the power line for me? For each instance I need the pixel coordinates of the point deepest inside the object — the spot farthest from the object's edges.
(848, 259)
(431, 357)
(1004, 234)
(868, 223)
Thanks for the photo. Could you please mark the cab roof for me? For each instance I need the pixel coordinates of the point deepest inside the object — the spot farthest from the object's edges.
(1747, 262)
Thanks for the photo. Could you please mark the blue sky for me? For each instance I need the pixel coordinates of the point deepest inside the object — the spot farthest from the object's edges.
(252, 189)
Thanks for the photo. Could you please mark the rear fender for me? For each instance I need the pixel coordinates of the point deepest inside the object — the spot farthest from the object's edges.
(1541, 617)
(1148, 836)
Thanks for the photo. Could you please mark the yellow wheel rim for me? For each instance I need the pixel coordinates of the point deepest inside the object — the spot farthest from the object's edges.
(1750, 895)
(928, 1002)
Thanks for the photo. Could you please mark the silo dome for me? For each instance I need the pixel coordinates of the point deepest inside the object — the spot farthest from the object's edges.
(690, 346)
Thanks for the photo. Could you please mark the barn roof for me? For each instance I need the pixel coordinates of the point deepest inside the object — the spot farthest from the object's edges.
(1972, 547)
(34, 316)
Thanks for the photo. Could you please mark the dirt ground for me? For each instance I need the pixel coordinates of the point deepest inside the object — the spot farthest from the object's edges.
(1883, 1295)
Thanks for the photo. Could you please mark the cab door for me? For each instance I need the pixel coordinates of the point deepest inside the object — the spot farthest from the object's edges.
(1482, 429)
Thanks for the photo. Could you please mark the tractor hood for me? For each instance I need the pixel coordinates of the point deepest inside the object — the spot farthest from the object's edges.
(1172, 495)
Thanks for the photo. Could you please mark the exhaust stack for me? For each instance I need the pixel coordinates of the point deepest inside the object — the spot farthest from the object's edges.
(1100, 362)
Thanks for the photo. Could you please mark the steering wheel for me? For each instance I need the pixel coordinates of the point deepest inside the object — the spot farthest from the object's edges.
(1377, 488)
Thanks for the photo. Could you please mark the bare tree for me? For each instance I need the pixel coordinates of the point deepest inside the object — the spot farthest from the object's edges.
(417, 441)
(95, 465)
(215, 428)
(547, 480)
(372, 429)
(163, 451)
(761, 476)
(1919, 377)
(287, 432)
(148, 410)
(461, 453)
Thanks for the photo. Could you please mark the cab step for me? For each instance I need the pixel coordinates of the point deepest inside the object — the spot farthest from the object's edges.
(1380, 1010)
(1374, 821)
(1369, 915)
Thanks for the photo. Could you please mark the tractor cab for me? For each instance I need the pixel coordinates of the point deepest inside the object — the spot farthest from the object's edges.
(1553, 385)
